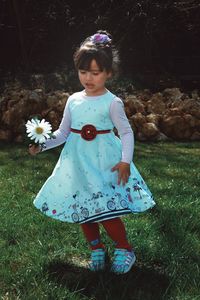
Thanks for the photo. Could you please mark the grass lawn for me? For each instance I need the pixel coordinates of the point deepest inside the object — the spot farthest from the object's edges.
(41, 258)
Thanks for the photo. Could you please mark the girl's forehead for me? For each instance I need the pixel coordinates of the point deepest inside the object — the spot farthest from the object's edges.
(93, 65)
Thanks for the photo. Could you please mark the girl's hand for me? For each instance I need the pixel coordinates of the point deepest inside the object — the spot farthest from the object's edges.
(123, 172)
(34, 149)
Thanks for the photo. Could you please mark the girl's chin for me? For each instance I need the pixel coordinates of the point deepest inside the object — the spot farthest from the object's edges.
(93, 91)
(90, 90)
(89, 86)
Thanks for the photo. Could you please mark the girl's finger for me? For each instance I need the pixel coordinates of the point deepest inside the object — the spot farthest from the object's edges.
(125, 178)
(119, 179)
(115, 168)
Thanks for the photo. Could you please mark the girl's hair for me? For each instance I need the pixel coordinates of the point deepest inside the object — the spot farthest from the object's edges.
(98, 47)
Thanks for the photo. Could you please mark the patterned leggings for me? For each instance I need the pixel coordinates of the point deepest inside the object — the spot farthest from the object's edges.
(115, 229)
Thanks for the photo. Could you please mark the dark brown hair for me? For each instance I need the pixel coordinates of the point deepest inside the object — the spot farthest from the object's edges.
(104, 54)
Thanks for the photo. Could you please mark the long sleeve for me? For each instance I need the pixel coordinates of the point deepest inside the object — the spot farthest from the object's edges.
(61, 133)
(121, 123)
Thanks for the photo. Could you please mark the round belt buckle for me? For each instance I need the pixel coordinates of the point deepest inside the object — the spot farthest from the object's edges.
(88, 132)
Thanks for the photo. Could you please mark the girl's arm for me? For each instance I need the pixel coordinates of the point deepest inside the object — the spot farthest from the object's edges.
(124, 129)
(121, 122)
(60, 134)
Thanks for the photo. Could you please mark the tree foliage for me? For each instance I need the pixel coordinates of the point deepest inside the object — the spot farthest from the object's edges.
(159, 35)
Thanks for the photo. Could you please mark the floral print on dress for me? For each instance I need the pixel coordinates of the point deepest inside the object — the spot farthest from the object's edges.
(82, 187)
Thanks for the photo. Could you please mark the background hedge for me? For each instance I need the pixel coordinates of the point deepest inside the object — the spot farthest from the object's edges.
(154, 37)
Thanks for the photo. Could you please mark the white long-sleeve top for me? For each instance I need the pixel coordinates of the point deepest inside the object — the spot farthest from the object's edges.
(120, 122)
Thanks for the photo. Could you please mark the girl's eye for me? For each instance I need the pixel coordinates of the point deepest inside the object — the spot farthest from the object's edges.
(95, 73)
(82, 72)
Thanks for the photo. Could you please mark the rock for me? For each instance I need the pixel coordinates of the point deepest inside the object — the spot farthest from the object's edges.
(153, 118)
(5, 135)
(57, 101)
(195, 112)
(195, 136)
(172, 121)
(54, 81)
(175, 111)
(37, 81)
(62, 101)
(161, 137)
(52, 101)
(144, 95)
(12, 103)
(9, 117)
(138, 120)
(36, 99)
(141, 137)
(45, 112)
(139, 107)
(150, 130)
(186, 134)
(54, 119)
(19, 139)
(175, 104)
(134, 128)
(191, 106)
(36, 96)
(3, 104)
(128, 111)
(175, 127)
(195, 95)
(133, 105)
(155, 104)
(173, 94)
(192, 121)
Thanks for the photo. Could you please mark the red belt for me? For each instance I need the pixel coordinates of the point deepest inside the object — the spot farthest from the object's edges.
(89, 132)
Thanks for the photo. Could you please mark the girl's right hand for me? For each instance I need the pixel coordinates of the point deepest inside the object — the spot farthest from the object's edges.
(34, 149)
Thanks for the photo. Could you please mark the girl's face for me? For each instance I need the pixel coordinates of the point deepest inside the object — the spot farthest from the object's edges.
(93, 80)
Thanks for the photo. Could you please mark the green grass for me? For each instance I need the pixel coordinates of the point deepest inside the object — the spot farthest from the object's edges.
(41, 258)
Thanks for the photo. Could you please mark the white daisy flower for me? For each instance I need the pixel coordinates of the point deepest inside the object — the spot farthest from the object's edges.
(39, 131)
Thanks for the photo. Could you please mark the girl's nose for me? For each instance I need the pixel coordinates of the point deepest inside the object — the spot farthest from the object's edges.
(88, 76)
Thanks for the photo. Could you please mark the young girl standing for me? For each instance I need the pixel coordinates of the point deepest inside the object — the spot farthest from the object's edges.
(95, 181)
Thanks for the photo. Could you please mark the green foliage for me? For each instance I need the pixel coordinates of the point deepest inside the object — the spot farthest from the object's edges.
(156, 36)
(46, 259)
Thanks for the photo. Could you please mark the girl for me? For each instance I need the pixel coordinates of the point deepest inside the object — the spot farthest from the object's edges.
(95, 181)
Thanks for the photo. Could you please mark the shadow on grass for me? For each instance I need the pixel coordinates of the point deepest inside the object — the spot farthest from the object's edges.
(140, 283)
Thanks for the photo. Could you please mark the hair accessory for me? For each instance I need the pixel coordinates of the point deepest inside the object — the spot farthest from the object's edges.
(100, 39)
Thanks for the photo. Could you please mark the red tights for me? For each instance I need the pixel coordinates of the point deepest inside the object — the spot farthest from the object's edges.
(114, 228)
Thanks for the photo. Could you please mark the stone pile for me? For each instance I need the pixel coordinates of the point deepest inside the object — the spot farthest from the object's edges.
(170, 115)
(167, 115)
(18, 106)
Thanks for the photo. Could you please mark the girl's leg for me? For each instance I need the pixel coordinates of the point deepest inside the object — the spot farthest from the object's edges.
(92, 235)
(116, 230)
(124, 256)
(91, 232)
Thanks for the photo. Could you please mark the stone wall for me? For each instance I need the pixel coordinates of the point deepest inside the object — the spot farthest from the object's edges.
(167, 115)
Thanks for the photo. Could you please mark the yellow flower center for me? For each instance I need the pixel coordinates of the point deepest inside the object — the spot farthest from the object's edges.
(39, 130)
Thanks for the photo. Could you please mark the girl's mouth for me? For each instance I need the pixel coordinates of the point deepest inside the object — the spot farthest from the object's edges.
(89, 85)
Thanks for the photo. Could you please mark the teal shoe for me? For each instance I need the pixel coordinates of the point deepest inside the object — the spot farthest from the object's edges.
(97, 262)
(123, 261)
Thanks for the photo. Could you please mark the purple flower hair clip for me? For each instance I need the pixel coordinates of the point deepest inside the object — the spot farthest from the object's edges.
(101, 39)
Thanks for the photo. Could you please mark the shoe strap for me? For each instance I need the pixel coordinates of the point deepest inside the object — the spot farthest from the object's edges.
(98, 254)
(123, 255)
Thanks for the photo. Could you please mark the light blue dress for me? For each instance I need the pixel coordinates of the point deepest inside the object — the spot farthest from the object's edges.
(82, 187)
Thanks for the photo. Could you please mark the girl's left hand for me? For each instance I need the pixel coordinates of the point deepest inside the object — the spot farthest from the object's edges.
(123, 169)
